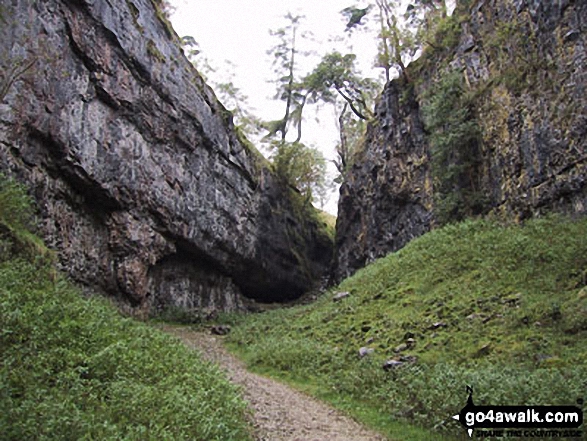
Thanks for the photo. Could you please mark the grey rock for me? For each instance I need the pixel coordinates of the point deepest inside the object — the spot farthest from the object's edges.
(383, 199)
(572, 35)
(408, 358)
(340, 295)
(467, 43)
(532, 158)
(220, 330)
(364, 351)
(392, 364)
(483, 350)
(145, 188)
(476, 316)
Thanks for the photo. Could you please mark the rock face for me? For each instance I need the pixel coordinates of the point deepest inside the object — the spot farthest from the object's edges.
(522, 67)
(386, 198)
(145, 187)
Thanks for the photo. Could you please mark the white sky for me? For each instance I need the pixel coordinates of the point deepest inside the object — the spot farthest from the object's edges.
(238, 31)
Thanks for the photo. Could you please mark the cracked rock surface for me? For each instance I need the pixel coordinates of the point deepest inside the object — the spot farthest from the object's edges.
(145, 188)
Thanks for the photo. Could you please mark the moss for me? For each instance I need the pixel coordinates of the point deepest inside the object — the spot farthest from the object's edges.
(134, 11)
(154, 52)
(163, 18)
(262, 161)
(511, 296)
(328, 222)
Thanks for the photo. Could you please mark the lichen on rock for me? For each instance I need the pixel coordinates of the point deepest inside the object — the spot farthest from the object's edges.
(144, 186)
(523, 69)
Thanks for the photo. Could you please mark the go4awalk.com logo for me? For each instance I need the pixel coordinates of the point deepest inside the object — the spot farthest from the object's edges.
(521, 421)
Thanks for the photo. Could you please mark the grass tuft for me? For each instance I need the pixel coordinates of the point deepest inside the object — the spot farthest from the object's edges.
(72, 368)
(502, 308)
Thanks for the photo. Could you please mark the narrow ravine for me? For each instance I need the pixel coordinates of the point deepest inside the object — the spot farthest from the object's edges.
(280, 413)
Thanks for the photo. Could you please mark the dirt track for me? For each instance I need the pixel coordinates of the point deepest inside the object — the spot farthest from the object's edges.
(280, 413)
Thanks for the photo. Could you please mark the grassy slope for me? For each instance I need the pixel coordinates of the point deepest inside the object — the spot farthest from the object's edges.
(502, 308)
(73, 368)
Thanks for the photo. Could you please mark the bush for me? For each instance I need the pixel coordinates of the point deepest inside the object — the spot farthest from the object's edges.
(455, 146)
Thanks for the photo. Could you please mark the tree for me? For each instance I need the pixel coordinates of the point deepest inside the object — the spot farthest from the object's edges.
(228, 93)
(399, 38)
(425, 16)
(336, 81)
(336, 72)
(288, 90)
(354, 16)
(396, 42)
(236, 102)
(303, 167)
(350, 134)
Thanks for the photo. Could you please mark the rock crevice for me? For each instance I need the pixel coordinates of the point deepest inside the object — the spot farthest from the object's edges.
(522, 66)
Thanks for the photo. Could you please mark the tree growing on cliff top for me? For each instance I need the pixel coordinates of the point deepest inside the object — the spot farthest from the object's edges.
(337, 73)
(336, 81)
(399, 35)
(230, 95)
(288, 88)
(302, 166)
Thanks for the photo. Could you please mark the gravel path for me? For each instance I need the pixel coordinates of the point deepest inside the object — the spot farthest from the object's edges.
(280, 413)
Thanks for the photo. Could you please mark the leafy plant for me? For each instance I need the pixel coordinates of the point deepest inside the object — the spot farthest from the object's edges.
(456, 153)
(16, 208)
(72, 368)
(499, 307)
(301, 166)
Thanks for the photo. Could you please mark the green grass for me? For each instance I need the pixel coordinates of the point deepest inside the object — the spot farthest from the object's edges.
(501, 308)
(72, 368)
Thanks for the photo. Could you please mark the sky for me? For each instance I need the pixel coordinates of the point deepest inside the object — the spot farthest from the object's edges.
(238, 31)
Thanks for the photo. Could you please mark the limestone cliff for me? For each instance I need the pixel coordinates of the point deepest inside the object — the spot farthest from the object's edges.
(145, 187)
(494, 120)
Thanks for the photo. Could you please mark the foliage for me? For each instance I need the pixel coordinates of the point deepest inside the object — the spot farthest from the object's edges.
(351, 131)
(398, 37)
(284, 62)
(530, 70)
(354, 16)
(301, 166)
(456, 155)
(72, 368)
(396, 40)
(329, 223)
(164, 9)
(439, 31)
(337, 72)
(236, 101)
(501, 308)
(336, 77)
(16, 209)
